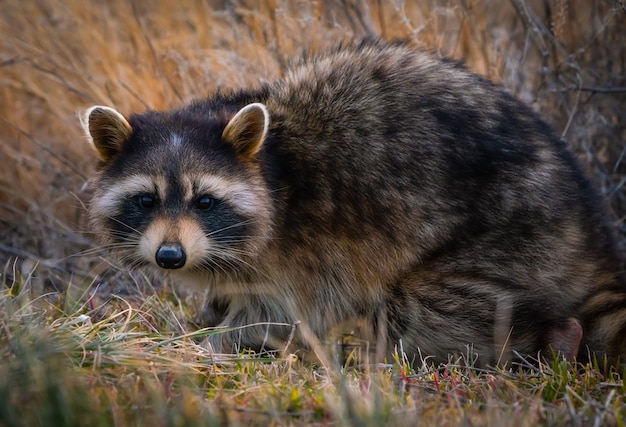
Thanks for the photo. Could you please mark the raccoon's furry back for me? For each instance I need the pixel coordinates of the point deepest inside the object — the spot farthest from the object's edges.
(373, 182)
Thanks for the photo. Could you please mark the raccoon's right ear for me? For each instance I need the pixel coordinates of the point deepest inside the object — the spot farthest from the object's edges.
(247, 129)
(106, 129)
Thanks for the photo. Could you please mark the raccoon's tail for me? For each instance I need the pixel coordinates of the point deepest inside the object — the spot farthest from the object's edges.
(603, 317)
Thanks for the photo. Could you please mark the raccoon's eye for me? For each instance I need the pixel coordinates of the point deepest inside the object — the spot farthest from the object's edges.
(146, 202)
(205, 203)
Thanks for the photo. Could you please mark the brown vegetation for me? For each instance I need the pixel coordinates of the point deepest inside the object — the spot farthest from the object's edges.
(566, 58)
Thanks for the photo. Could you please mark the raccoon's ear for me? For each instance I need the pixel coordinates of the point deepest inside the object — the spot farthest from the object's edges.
(247, 129)
(106, 129)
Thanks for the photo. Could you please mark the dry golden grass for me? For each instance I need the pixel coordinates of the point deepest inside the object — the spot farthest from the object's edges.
(67, 362)
(567, 58)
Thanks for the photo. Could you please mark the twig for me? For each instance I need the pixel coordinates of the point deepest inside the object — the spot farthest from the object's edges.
(134, 94)
(592, 89)
(65, 162)
(153, 51)
(10, 61)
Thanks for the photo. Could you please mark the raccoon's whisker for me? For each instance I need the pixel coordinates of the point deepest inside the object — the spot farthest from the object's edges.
(239, 224)
(217, 258)
(90, 251)
(225, 247)
(278, 190)
(131, 258)
(126, 225)
(226, 244)
(102, 249)
(233, 261)
(233, 239)
(212, 265)
(236, 251)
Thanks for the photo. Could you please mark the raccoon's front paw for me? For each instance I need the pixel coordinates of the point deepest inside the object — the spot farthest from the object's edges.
(214, 312)
(221, 342)
(259, 338)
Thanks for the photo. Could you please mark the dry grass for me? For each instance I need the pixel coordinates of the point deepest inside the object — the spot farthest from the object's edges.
(138, 363)
(119, 364)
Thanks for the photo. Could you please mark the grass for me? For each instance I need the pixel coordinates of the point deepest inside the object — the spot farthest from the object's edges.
(139, 362)
(85, 342)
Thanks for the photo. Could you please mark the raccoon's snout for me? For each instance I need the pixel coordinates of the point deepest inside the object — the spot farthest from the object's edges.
(171, 256)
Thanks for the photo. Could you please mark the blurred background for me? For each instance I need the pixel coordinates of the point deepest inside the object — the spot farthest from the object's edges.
(565, 58)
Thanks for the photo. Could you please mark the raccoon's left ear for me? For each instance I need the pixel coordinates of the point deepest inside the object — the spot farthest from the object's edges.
(106, 129)
(247, 129)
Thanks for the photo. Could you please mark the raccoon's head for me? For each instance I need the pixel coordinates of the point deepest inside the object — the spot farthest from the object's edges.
(181, 190)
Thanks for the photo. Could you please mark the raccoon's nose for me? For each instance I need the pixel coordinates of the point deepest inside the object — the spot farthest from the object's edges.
(170, 256)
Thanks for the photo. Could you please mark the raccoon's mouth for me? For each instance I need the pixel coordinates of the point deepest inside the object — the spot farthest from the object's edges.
(170, 256)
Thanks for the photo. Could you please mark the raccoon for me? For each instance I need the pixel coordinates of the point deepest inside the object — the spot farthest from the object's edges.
(374, 182)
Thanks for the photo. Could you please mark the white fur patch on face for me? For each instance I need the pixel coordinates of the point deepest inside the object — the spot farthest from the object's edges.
(107, 201)
(184, 231)
(151, 240)
(176, 141)
(238, 195)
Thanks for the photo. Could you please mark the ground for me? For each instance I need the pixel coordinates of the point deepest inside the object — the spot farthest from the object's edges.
(85, 342)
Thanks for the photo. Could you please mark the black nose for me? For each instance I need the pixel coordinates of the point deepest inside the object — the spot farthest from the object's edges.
(170, 256)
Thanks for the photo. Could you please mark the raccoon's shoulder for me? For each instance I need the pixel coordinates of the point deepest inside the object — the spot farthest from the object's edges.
(374, 63)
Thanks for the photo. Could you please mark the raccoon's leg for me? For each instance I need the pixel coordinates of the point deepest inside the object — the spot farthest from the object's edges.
(252, 323)
(438, 315)
(604, 324)
(213, 312)
(565, 337)
(428, 320)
